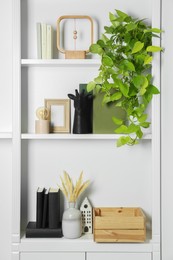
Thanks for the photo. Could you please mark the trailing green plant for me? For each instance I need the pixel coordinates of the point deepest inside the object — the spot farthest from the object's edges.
(125, 73)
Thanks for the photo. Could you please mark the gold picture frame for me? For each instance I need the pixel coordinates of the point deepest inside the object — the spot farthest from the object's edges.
(59, 115)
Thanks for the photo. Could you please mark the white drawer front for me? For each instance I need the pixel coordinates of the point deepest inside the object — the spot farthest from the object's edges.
(52, 256)
(118, 256)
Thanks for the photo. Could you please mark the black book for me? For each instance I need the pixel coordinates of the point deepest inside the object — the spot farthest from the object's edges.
(39, 207)
(45, 210)
(33, 232)
(54, 208)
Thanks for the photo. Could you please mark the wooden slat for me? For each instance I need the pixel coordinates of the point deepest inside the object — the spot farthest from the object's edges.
(119, 236)
(119, 223)
(119, 218)
(119, 211)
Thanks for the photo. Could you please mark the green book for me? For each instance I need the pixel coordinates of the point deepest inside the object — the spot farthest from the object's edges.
(103, 113)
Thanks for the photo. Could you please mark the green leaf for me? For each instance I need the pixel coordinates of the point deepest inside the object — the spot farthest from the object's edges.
(101, 43)
(143, 87)
(154, 30)
(112, 17)
(145, 124)
(154, 49)
(139, 111)
(104, 38)
(107, 61)
(124, 88)
(123, 140)
(127, 37)
(142, 91)
(109, 29)
(139, 133)
(98, 80)
(91, 85)
(97, 89)
(116, 96)
(132, 91)
(142, 118)
(121, 130)
(119, 104)
(131, 26)
(132, 128)
(148, 59)
(113, 20)
(106, 99)
(137, 47)
(140, 81)
(121, 14)
(153, 90)
(95, 48)
(125, 64)
(117, 121)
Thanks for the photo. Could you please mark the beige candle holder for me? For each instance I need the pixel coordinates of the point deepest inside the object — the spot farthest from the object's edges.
(42, 124)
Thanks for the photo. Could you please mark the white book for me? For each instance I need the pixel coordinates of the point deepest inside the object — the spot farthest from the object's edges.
(44, 40)
(39, 39)
(49, 42)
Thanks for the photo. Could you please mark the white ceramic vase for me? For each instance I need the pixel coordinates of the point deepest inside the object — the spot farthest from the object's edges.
(72, 222)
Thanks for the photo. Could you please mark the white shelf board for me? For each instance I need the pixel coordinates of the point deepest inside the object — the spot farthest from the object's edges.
(7, 135)
(60, 62)
(76, 136)
(82, 244)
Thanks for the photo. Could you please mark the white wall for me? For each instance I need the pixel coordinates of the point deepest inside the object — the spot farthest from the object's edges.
(5, 65)
(5, 126)
(167, 130)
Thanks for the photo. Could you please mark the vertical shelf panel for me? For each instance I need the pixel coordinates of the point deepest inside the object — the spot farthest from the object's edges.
(156, 22)
(16, 160)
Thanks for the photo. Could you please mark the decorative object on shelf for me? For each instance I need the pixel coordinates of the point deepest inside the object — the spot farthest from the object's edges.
(119, 225)
(44, 41)
(74, 54)
(59, 115)
(71, 222)
(39, 207)
(72, 219)
(87, 219)
(54, 208)
(42, 125)
(48, 208)
(48, 222)
(45, 209)
(33, 232)
(124, 75)
(103, 114)
(83, 112)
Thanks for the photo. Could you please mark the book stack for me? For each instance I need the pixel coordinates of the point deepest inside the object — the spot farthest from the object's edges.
(44, 41)
(48, 222)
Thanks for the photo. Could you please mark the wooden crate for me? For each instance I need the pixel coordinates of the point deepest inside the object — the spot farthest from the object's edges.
(119, 225)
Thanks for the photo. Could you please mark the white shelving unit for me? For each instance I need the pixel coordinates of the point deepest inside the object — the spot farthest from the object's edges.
(77, 137)
(129, 176)
(5, 135)
(56, 62)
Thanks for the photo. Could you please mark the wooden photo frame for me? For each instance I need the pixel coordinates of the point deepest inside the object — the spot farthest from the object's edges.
(59, 115)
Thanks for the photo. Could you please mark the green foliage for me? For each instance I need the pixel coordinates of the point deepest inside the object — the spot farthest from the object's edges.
(124, 75)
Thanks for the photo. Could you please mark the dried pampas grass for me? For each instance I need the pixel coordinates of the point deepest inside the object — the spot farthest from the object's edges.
(71, 191)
